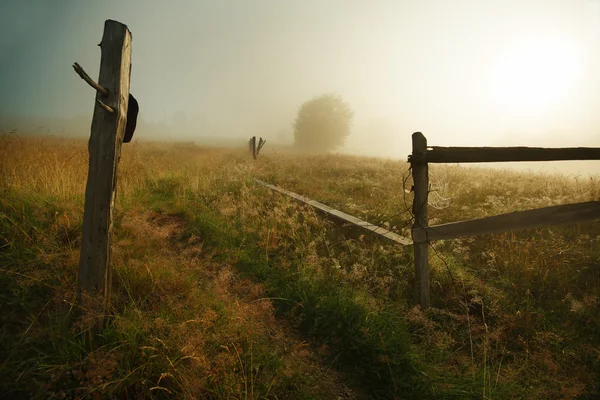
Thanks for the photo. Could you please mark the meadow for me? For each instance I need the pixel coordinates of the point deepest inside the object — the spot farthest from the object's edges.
(225, 289)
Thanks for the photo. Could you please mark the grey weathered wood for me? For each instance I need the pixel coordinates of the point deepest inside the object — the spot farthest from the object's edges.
(420, 175)
(105, 149)
(439, 154)
(555, 215)
(341, 215)
(261, 143)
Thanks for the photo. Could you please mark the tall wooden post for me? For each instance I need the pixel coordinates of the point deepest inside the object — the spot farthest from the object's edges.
(254, 147)
(420, 175)
(108, 129)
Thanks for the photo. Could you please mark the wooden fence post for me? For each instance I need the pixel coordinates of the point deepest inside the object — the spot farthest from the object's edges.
(420, 175)
(254, 147)
(108, 129)
(261, 143)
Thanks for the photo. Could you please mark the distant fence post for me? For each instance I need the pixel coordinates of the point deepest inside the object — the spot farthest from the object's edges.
(253, 147)
(261, 143)
(420, 175)
(107, 132)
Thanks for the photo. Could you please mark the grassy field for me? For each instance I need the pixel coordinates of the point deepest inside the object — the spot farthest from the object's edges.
(224, 289)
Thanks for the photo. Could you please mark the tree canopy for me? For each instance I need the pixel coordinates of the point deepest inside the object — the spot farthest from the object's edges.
(323, 123)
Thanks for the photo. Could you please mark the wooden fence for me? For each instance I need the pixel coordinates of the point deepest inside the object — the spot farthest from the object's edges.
(422, 233)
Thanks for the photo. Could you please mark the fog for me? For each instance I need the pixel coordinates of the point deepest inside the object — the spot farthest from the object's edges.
(465, 73)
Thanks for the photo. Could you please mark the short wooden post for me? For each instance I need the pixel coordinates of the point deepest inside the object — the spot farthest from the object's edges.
(254, 147)
(108, 129)
(420, 175)
(261, 143)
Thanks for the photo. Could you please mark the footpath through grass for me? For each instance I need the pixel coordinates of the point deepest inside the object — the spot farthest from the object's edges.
(183, 324)
(362, 337)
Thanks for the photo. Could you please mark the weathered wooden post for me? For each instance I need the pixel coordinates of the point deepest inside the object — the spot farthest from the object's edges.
(254, 147)
(261, 143)
(107, 132)
(420, 175)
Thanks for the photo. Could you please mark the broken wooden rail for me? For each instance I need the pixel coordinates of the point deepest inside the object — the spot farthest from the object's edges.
(394, 237)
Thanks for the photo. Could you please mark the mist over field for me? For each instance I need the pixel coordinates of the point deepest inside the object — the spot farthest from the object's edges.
(182, 265)
(464, 73)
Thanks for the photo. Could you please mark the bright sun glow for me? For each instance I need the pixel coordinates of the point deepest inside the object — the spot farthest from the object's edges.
(534, 74)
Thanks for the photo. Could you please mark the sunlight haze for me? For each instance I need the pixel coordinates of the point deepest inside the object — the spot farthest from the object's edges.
(465, 73)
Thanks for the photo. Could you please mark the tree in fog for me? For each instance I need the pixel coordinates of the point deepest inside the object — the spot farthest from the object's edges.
(323, 123)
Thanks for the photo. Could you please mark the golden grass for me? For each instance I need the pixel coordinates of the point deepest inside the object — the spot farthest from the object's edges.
(519, 317)
(182, 323)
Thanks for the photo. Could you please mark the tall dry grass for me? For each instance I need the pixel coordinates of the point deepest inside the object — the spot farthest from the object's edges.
(181, 324)
(514, 314)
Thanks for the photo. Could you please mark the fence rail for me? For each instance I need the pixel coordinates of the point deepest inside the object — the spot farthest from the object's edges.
(438, 154)
(341, 215)
(555, 215)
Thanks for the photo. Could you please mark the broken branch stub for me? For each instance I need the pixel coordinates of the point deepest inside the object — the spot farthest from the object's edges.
(89, 80)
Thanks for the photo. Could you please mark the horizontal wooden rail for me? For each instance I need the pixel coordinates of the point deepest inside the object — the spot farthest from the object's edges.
(555, 215)
(341, 215)
(438, 154)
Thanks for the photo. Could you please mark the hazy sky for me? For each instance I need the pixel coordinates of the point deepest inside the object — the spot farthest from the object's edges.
(478, 72)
